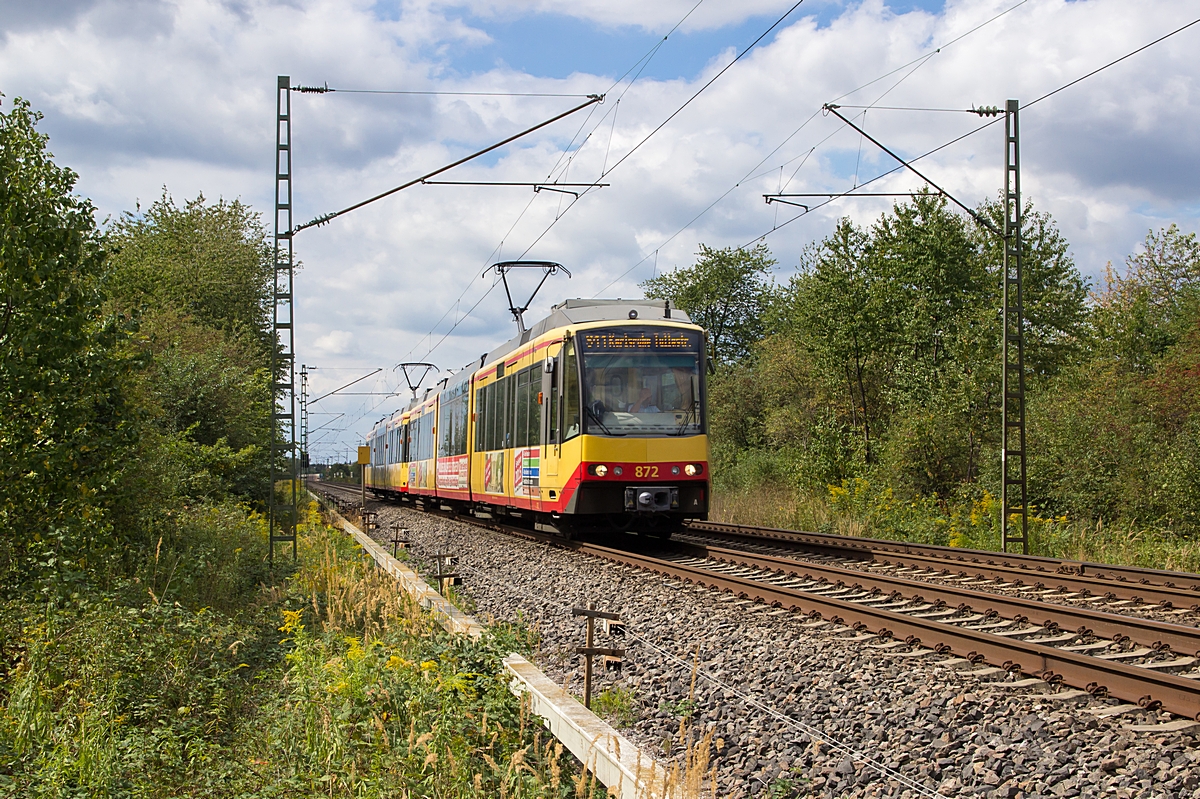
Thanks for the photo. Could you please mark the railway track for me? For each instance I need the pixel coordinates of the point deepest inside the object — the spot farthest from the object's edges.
(1080, 647)
(1178, 590)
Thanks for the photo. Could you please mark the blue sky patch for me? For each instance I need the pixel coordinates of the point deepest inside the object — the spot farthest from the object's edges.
(558, 45)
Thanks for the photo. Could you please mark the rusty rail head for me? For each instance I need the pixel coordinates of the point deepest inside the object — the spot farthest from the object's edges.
(1146, 687)
(1148, 632)
(1178, 695)
(1153, 586)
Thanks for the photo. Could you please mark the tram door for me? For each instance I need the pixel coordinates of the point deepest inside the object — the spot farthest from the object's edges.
(550, 433)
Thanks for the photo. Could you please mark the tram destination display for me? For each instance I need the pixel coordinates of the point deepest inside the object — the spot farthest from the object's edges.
(624, 340)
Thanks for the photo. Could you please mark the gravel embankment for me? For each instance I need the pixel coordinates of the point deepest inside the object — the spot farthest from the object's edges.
(945, 726)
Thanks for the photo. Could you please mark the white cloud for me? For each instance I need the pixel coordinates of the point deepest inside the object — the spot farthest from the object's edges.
(335, 342)
(658, 16)
(182, 95)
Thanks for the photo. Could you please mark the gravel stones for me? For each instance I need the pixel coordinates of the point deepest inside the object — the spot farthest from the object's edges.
(796, 709)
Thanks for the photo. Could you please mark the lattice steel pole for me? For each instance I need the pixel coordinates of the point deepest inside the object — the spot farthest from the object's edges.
(304, 456)
(283, 514)
(1012, 388)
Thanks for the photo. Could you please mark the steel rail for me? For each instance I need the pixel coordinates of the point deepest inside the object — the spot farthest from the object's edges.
(1147, 632)
(1165, 597)
(1145, 687)
(1182, 587)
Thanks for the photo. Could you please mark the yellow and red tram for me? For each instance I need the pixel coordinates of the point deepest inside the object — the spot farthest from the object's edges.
(594, 418)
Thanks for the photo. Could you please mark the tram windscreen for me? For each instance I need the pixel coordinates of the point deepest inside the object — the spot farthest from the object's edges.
(641, 382)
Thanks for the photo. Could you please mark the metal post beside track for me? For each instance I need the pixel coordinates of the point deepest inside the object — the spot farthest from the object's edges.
(445, 578)
(282, 512)
(1012, 346)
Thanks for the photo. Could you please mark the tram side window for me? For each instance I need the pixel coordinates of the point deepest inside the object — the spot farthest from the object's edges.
(423, 438)
(521, 439)
(531, 429)
(445, 442)
(452, 437)
(487, 420)
(508, 411)
(502, 413)
(427, 435)
(535, 409)
(571, 410)
(551, 407)
(460, 422)
(491, 439)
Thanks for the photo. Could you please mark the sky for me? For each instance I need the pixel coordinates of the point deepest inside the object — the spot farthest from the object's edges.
(146, 96)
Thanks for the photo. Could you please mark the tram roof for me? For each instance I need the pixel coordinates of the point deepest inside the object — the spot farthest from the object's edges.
(579, 311)
(573, 312)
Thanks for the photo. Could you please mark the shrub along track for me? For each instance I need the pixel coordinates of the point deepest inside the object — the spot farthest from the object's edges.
(1015, 634)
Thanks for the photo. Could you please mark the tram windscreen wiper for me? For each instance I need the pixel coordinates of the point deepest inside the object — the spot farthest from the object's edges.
(687, 419)
(592, 413)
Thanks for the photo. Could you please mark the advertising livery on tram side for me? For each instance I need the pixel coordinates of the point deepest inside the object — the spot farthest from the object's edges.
(593, 419)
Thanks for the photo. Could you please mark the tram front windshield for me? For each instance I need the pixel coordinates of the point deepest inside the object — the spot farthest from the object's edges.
(642, 383)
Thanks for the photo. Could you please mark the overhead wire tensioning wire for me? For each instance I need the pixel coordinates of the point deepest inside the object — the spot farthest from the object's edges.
(956, 39)
(447, 94)
(673, 114)
(643, 62)
(984, 126)
(919, 61)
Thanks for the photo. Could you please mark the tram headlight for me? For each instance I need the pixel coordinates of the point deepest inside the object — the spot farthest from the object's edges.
(674, 470)
(600, 470)
(618, 471)
(693, 469)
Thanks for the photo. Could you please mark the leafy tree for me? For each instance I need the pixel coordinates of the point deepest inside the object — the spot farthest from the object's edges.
(199, 278)
(208, 261)
(1055, 294)
(923, 255)
(725, 292)
(895, 317)
(845, 316)
(65, 428)
(1144, 312)
(1114, 435)
(902, 321)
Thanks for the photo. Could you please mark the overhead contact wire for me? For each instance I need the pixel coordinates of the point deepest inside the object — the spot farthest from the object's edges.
(919, 62)
(710, 82)
(972, 132)
(643, 62)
